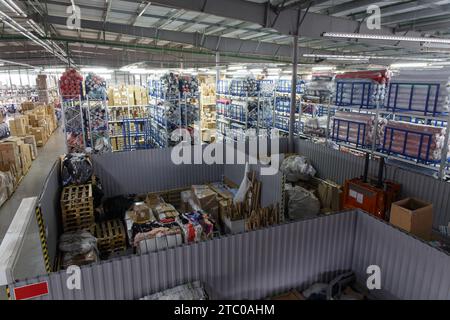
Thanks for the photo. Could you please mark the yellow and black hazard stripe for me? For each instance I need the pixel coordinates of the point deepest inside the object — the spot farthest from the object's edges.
(8, 293)
(43, 237)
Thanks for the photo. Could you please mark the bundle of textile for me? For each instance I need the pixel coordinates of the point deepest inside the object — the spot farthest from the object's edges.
(95, 86)
(316, 126)
(244, 86)
(321, 85)
(4, 130)
(195, 225)
(153, 236)
(418, 91)
(189, 291)
(170, 85)
(188, 85)
(422, 142)
(359, 92)
(267, 87)
(70, 84)
(165, 211)
(356, 127)
(78, 248)
(76, 169)
(301, 203)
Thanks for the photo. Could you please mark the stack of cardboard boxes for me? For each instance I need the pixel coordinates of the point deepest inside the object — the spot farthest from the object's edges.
(38, 120)
(127, 95)
(16, 155)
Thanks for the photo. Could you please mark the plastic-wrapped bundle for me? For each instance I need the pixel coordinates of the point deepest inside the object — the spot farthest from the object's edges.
(297, 168)
(317, 126)
(76, 169)
(425, 92)
(422, 142)
(189, 291)
(320, 88)
(95, 86)
(267, 87)
(4, 130)
(78, 248)
(70, 84)
(301, 203)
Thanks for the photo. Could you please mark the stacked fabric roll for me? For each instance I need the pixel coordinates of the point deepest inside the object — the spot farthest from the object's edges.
(356, 127)
(70, 84)
(244, 86)
(189, 85)
(170, 85)
(422, 142)
(95, 86)
(429, 90)
(320, 87)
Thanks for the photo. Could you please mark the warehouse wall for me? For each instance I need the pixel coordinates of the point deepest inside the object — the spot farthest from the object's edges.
(249, 265)
(150, 170)
(338, 166)
(410, 268)
(268, 261)
(49, 202)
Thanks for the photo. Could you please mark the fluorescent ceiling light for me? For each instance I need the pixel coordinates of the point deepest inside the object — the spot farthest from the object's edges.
(365, 57)
(145, 8)
(436, 45)
(256, 70)
(17, 8)
(96, 70)
(409, 65)
(54, 70)
(323, 68)
(384, 37)
(235, 67)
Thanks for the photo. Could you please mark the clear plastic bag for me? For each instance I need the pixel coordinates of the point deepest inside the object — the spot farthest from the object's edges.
(297, 168)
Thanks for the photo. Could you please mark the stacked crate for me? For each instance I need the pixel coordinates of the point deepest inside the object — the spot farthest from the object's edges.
(77, 207)
(110, 236)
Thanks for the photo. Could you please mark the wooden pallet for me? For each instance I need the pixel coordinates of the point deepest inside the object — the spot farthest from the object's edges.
(111, 237)
(77, 207)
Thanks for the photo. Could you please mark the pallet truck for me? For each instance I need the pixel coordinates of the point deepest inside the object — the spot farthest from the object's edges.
(372, 196)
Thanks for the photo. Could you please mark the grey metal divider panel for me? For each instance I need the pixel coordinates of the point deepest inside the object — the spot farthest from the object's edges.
(410, 268)
(339, 166)
(251, 265)
(150, 170)
(49, 202)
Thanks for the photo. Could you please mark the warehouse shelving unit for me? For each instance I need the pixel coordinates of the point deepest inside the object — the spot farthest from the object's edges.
(389, 108)
(121, 123)
(73, 120)
(170, 112)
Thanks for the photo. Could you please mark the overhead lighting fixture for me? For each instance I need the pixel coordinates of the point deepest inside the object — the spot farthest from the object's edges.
(409, 65)
(256, 70)
(384, 37)
(436, 45)
(367, 57)
(235, 67)
(323, 68)
(144, 9)
(96, 70)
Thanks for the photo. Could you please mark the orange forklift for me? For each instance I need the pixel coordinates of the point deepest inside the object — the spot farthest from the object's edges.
(370, 195)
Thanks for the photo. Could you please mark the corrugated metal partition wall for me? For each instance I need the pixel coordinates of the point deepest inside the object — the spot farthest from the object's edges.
(49, 203)
(251, 265)
(410, 268)
(338, 166)
(150, 170)
(261, 263)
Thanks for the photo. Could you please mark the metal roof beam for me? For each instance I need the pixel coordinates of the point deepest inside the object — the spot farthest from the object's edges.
(314, 24)
(416, 15)
(212, 43)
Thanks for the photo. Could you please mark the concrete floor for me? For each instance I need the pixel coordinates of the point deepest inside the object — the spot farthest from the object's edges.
(30, 262)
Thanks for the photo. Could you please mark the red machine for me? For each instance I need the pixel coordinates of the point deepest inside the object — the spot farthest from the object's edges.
(374, 197)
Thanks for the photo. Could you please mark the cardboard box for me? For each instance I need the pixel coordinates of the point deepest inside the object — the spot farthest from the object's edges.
(31, 140)
(39, 135)
(25, 157)
(10, 156)
(414, 216)
(18, 126)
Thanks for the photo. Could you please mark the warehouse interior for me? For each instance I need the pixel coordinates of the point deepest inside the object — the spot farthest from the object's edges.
(327, 122)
